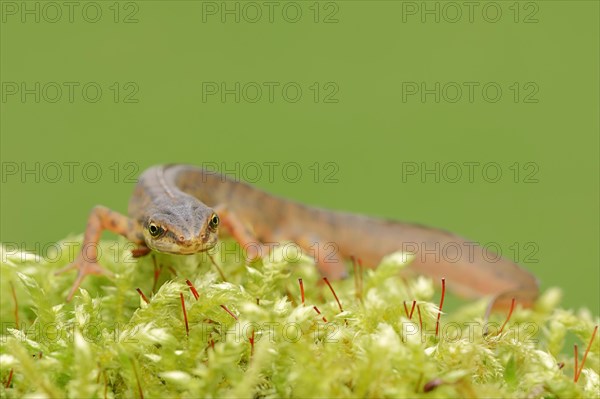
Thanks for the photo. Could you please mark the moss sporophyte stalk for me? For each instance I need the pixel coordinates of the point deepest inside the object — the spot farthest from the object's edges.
(187, 326)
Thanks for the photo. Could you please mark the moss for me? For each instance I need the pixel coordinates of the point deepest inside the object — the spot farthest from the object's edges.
(108, 342)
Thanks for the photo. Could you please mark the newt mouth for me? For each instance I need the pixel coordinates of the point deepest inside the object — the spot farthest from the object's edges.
(186, 247)
(198, 245)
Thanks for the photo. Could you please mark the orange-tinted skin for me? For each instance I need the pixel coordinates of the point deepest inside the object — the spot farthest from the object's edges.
(182, 200)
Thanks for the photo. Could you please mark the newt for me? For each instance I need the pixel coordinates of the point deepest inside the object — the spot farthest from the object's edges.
(179, 209)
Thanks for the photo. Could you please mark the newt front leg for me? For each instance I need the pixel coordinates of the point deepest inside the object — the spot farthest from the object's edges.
(101, 218)
(253, 248)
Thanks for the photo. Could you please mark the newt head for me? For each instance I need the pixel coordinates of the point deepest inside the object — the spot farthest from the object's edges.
(184, 227)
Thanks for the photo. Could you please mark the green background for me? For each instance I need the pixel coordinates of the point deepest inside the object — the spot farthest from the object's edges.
(369, 132)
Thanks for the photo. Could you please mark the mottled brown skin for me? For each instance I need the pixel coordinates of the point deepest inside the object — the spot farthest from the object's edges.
(182, 200)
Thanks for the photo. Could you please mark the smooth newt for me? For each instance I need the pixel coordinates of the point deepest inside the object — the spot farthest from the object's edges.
(178, 208)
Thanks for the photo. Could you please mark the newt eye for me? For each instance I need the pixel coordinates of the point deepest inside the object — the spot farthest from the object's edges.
(214, 221)
(155, 230)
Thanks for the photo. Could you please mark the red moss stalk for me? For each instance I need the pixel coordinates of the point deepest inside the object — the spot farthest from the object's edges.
(193, 289)
(142, 295)
(319, 312)
(334, 294)
(9, 380)
(437, 323)
(578, 373)
(412, 309)
(229, 311)
(185, 318)
(252, 344)
(301, 290)
(510, 312)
